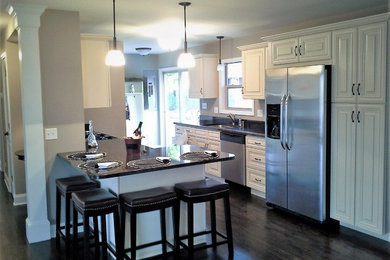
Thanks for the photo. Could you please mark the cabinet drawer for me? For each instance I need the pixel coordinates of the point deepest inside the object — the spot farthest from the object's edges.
(255, 142)
(255, 157)
(255, 180)
(214, 146)
(213, 135)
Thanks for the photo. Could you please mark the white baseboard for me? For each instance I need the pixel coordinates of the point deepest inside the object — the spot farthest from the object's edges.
(20, 199)
(37, 231)
(258, 193)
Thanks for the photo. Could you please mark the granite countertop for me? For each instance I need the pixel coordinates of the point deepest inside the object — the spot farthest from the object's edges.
(131, 160)
(246, 130)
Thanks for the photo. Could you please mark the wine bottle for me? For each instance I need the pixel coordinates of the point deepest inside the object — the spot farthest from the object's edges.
(137, 132)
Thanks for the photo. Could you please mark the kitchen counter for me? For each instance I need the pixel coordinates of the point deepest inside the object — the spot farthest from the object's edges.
(127, 178)
(130, 160)
(255, 131)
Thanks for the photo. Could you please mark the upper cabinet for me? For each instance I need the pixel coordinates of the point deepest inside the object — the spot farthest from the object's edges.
(359, 71)
(301, 49)
(253, 70)
(204, 77)
(95, 73)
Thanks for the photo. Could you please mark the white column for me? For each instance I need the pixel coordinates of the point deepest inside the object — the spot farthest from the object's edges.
(28, 23)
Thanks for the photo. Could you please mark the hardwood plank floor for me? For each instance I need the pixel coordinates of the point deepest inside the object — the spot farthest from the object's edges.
(259, 233)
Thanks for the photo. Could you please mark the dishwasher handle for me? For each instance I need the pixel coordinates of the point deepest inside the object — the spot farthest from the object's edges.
(232, 137)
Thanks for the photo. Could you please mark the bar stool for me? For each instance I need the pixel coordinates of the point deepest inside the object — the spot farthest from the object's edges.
(203, 191)
(96, 203)
(65, 186)
(145, 201)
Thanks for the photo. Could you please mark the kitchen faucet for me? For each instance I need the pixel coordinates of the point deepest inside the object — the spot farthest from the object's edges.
(233, 118)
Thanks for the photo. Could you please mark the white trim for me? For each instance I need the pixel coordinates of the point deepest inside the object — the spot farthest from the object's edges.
(329, 27)
(222, 93)
(258, 193)
(253, 46)
(20, 199)
(37, 231)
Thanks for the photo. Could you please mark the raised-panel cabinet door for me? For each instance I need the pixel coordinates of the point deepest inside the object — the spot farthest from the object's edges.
(253, 62)
(284, 51)
(342, 195)
(196, 79)
(344, 87)
(315, 47)
(372, 63)
(210, 77)
(369, 168)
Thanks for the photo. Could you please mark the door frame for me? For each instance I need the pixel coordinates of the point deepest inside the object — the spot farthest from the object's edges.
(6, 127)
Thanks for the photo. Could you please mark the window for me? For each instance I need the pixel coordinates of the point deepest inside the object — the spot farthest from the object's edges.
(231, 100)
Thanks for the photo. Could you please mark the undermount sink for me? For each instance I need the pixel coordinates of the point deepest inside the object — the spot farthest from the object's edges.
(225, 126)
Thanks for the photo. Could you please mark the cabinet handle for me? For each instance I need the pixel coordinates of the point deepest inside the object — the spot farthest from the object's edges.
(295, 51)
(300, 46)
(353, 112)
(257, 159)
(257, 143)
(201, 91)
(358, 116)
(258, 180)
(358, 89)
(242, 90)
(353, 92)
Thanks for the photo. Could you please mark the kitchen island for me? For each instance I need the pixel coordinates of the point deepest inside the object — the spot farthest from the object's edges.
(139, 170)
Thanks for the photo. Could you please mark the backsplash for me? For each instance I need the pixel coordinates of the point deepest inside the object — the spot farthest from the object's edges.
(254, 125)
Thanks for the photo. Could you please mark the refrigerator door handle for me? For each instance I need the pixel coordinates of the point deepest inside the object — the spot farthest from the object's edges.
(286, 125)
(281, 136)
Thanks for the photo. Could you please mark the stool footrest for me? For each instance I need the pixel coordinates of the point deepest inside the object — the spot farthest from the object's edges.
(159, 242)
(204, 246)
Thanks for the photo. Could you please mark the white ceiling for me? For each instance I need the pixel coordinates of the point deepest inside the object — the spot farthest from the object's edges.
(140, 23)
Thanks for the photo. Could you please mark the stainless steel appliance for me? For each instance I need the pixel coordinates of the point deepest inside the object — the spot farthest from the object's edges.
(233, 170)
(297, 129)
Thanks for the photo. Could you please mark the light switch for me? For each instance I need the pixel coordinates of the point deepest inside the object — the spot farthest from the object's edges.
(260, 112)
(51, 133)
(204, 105)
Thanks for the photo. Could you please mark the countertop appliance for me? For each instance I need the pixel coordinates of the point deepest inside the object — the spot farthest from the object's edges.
(233, 170)
(297, 137)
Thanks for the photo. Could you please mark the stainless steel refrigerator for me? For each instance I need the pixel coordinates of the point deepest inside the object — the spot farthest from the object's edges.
(297, 131)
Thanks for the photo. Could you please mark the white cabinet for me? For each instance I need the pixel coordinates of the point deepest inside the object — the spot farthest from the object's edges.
(357, 165)
(95, 73)
(255, 163)
(307, 48)
(359, 69)
(204, 77)
(253, 70)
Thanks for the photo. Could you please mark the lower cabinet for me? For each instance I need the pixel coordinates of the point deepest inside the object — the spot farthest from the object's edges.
(357, 165)
(255, 163)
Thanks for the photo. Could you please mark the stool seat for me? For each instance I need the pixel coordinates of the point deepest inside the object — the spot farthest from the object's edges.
(95, 199)
(148, 197)
(75, 183)
(201, 188)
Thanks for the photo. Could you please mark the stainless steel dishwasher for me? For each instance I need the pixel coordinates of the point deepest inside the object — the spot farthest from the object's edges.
(233, 170)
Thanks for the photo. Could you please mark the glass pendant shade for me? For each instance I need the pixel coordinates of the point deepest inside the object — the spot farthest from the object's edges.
(186, 60)
(220, 67)
(115, 58)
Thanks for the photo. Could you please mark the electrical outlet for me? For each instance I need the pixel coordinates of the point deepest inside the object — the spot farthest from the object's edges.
(216, 110)
(51, 133)
(204, 105)
(260, 112)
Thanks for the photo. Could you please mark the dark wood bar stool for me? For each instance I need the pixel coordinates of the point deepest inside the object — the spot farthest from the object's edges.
(65, 186)
(96, 203)
(145, 201)
(203, 191)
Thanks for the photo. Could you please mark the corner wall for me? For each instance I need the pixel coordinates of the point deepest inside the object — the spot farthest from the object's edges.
(62, 93)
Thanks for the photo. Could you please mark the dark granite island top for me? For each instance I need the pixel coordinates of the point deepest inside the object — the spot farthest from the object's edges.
(131, 161)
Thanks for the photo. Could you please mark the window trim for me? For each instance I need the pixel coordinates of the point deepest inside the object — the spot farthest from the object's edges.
(222, 102)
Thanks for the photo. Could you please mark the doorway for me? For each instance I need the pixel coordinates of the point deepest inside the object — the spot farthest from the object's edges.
(5, 124)
(176, 106)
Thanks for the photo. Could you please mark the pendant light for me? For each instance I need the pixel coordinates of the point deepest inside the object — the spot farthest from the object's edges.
(220, 66)
(185, 60)
(114, 57)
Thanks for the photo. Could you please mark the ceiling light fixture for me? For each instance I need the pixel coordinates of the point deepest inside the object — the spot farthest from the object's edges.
(143, 51)
(185, 60)
(115, 57)
(220, 66)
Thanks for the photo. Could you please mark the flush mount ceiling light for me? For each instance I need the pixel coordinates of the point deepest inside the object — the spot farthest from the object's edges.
(143, 51)
(220, 65)
(185, 60)
(114, 57)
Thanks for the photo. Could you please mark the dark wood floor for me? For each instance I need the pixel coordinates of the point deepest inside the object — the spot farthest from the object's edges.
(259, 233)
